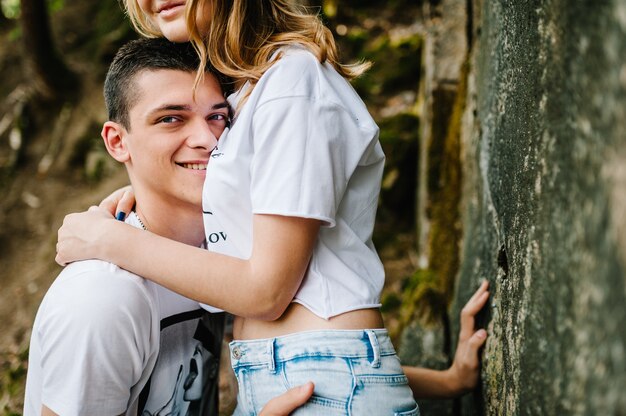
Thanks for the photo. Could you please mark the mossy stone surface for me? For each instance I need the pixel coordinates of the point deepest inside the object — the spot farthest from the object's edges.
(545, 218)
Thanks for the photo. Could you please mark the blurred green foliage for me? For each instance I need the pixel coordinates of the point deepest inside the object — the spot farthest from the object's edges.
(11, 8)
(373, 31)
(55, 5)
(363, 30)
(13, 367)
(396, 64)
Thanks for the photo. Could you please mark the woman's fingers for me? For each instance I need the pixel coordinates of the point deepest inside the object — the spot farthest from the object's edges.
(477, 340)
(471, 308)
(127, 202)
(121, 200)
(465, 370)
(78, 234)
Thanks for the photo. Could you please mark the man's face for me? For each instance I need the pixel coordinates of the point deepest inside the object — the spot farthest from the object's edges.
(172, 134)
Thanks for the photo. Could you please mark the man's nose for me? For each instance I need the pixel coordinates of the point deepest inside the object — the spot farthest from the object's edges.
(202, 136)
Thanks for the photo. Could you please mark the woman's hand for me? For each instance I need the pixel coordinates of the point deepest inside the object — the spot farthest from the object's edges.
(82, 235)
(120, 201)
(464, 373)
(465, 370)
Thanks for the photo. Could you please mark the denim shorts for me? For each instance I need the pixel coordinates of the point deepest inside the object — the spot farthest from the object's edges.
(356, 372)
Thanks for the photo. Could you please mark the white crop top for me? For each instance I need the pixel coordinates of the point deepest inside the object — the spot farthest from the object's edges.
(303, 145)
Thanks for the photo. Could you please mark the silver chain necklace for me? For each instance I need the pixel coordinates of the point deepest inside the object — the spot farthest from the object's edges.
(141, 222)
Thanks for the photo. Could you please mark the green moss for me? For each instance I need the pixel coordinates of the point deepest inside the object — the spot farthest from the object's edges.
(422, 297)
(446, 233)
(428, 293)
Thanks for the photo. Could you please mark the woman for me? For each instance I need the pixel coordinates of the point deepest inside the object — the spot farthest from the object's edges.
(289, 203)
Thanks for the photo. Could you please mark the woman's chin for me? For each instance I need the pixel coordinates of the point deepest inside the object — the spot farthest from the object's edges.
(174, 33)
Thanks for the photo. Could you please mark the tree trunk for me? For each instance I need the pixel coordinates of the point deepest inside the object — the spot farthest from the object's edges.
(51, 76)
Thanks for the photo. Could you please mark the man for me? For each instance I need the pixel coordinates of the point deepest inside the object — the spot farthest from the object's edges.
(105, 341)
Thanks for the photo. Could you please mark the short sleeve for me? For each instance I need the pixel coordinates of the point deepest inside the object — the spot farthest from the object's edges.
(305, 151)
(95, 339)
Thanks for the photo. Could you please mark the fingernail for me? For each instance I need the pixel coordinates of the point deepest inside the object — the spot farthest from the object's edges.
(120, 216)
(481, 333)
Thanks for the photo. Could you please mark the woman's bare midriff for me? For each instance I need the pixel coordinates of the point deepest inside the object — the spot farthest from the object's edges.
(297, 318)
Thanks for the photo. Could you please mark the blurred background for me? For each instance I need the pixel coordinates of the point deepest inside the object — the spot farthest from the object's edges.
(53, 58)
(504, 126)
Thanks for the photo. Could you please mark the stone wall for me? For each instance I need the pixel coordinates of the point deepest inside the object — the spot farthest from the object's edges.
(543, 205)
(544, 212)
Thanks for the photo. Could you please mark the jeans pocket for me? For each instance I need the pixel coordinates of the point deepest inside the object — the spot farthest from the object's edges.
(332, 376)
(413, 412)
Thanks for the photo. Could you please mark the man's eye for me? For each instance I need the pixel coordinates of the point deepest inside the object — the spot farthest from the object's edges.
(169, 119)
(218, 117)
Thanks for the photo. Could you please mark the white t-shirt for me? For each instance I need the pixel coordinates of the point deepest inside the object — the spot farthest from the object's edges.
(107, 342)
(303, 145)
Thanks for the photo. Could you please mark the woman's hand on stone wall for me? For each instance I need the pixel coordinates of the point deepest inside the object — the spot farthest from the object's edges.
(465, 370)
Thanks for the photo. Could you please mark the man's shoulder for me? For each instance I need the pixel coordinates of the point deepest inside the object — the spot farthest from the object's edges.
(94, 338)
(93, 266)
(97, 275)
(97, 291)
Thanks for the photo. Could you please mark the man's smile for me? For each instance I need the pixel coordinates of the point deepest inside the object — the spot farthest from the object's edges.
(194, 166)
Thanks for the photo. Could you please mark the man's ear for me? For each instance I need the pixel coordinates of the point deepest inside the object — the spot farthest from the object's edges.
(114, 136)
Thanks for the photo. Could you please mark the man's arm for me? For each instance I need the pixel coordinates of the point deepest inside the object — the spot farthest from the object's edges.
(47, 412)
(94, 332)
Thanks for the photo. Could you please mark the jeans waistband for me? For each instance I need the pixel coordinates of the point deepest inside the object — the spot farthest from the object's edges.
(368, 343)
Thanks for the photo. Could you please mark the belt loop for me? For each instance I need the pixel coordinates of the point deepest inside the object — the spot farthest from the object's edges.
(375, 348)
(270, 352)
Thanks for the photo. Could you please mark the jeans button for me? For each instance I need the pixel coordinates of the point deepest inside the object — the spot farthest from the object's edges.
(237, 353)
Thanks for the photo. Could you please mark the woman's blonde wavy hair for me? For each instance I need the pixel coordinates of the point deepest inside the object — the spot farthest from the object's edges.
(242, 36)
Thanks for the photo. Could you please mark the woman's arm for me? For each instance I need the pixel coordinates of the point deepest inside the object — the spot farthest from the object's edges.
(464, 373)
(260, 287)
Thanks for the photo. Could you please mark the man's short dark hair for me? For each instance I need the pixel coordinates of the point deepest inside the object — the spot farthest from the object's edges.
(137, 56)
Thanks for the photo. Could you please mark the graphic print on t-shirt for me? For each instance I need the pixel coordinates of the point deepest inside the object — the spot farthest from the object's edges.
(184, 380)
